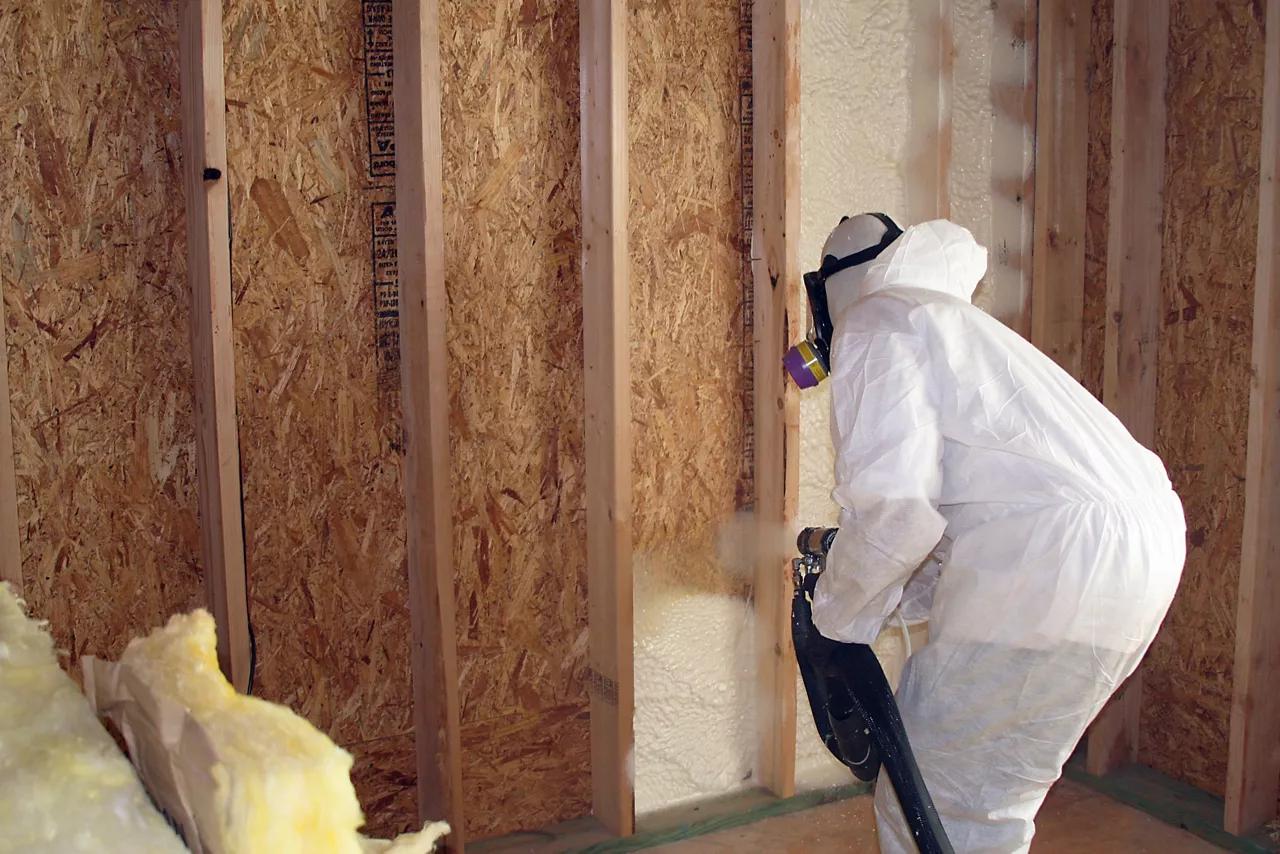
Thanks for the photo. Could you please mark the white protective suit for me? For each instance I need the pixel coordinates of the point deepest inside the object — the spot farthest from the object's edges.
(1066, 541)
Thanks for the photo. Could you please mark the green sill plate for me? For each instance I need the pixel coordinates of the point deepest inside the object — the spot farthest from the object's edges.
(586, 836)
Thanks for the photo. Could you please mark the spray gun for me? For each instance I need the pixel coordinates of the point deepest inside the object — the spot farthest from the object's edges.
(853, 706)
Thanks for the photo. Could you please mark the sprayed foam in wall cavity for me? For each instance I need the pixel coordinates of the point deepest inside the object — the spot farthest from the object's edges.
(694, 653)
(694, 721)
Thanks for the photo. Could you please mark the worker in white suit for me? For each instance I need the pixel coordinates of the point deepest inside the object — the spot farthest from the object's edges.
(1064, 541)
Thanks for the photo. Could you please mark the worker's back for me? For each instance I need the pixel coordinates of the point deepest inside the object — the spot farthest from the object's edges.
(1067, 540)
(1005, 405)
(1063, 526)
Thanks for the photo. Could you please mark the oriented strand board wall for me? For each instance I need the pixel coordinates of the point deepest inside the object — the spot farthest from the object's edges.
(688, 386)
(1097, 196)
(92, 262)
(1214, 104)
(513, 255)
(1211, 221)
(92, 268)
(686, 247)
(323, 504)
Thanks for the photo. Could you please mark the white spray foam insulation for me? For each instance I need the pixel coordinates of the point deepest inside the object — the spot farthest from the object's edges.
(694, 658)
(855, 127)
(855, 115)
(817, 459)
(855, 112)
(857, 59)
(695, 682)
(970, 182)
(694, 721)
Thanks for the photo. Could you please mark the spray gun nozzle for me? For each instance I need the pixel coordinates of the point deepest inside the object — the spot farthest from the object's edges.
(816, 542)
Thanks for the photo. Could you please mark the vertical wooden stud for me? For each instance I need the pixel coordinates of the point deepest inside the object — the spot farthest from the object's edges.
(204, 138)
(1135, 247)
(778, 324)
(10, 547)
(424, 376)
(606, 283)
(929, 146)
(1013, 101)
(1253, 765)
(1062, 148)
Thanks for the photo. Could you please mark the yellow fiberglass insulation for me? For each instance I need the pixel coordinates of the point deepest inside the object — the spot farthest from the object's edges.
(65, 787)
(240, 774)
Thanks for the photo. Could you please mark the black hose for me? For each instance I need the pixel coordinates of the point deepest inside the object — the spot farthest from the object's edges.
(858, 719)
(875, 704)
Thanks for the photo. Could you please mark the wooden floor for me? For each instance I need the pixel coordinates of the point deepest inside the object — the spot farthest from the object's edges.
(1073, 820)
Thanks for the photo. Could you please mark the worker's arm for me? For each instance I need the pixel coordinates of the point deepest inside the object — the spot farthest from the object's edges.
(888, 443)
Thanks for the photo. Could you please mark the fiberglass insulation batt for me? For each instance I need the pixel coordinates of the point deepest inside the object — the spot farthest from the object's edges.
(65, 787)
(242, 775)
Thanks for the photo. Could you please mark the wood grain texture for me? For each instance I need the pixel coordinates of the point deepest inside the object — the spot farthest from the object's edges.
(425, 400)
(10, 547)
(606, 345)
(1253, 771)
(1203, 384)
(1012, 90)
(929, 147)
(1061, 180)
(511, 134)
(1097, 195)
(778, 317)
(204, 136)
(687, 249)
(93, 270)
(1135, 253)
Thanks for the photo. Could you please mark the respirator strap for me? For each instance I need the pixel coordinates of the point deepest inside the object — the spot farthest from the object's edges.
(808, 361)
(832, 265)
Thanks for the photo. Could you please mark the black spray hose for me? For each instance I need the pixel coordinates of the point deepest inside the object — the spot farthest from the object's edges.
(874, 703)
(858, 719)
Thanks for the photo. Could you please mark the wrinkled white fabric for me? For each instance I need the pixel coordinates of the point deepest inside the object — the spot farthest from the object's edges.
(1064, 539)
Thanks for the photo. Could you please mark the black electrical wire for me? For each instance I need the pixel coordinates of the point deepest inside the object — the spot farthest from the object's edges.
(213, 175)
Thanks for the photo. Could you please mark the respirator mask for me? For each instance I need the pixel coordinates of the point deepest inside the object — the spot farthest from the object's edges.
(809, 362)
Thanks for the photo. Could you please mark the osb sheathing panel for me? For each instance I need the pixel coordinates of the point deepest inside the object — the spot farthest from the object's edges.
(384, 775)
(512, 201)
(93, 274)
(1211, 221)
(687, 338)
(527, 770)
(95, 296)
(323, 501)
(1097, 195)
